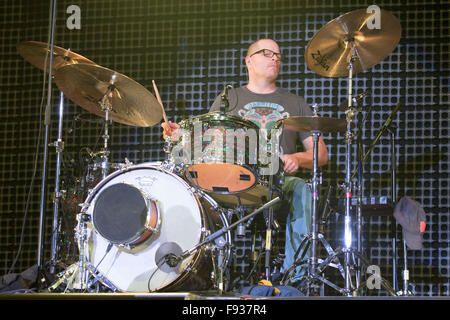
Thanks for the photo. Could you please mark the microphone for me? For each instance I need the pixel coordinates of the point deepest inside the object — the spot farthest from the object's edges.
(224, 97)
(390, 118)
(356, 101)
(172, 260)
(384, 127)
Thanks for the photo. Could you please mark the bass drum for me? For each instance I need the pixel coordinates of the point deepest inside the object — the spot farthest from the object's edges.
(141, 214)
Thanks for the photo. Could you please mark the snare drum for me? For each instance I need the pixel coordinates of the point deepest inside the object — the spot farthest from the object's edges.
(223, 152)
(138, 216)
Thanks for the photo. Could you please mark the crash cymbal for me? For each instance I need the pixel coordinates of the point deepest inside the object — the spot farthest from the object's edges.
(310, 123)
(34, 52)
(330, 49)
(130, 103)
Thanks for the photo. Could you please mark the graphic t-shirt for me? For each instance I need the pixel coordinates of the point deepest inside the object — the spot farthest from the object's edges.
(266, 109)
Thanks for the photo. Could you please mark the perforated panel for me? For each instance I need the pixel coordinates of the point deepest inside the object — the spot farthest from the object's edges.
(192, 49)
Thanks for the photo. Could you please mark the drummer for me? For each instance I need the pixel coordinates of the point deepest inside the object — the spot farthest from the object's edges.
(262, 102)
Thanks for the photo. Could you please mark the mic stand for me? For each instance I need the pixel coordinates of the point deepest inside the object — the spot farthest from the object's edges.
(172, 260)
(41, 271)
(269, 234)
(405, 274)
(394, 200)
(385, 127)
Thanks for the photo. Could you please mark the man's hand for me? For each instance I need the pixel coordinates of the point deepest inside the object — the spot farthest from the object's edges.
(169, 128)
(291, 163)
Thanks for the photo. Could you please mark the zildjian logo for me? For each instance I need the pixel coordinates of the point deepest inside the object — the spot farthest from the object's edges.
(321, 60)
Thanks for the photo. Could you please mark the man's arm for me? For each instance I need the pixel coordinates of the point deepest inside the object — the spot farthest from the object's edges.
(293, 162)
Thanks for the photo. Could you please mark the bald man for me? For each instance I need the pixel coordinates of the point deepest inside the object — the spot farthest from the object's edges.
(263, 102)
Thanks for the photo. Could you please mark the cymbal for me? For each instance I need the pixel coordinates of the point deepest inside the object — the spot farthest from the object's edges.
(330, 49)
(310, 123)
(130, 103)
(34, 52)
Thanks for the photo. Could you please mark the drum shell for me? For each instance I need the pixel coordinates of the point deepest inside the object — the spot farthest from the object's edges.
(225, 163)
(134, 265)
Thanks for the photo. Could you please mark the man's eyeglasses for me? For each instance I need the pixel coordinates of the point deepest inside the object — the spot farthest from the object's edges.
(267, 53)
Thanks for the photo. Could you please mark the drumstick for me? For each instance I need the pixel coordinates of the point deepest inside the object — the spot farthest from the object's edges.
(159, 100)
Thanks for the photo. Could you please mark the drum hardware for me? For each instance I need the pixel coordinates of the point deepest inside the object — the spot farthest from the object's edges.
(37, 54)
(315, 125)
(69, 277)
(241, 228)
(311, 281)
(269, 225)
(174, 260)
(345, 54)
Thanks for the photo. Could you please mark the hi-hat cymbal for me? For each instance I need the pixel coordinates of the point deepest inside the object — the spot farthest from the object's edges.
(330, 49)
(312, 123)
(130, 103)
(35, 52)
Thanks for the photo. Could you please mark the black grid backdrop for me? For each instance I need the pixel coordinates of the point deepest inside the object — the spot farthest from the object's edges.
(192, 49)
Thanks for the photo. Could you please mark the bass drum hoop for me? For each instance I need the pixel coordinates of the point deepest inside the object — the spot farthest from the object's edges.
(192, 266)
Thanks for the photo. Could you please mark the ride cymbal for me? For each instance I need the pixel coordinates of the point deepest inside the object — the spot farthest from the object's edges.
(330, 49)
(130, 103)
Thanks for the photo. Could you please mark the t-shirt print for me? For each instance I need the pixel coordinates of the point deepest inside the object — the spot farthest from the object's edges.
(263, 114)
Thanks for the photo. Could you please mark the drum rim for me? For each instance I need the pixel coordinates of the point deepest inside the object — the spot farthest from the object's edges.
(218, 116)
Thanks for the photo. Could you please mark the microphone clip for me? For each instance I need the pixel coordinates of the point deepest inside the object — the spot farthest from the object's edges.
(224, 97)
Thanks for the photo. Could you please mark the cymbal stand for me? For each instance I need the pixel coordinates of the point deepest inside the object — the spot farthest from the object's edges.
(311, 240)
(59, 144)
(359, 202)
(348, 183)
(106, 107)
(315, 202)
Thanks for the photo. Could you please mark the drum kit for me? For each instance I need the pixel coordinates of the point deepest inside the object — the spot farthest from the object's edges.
(162, 226)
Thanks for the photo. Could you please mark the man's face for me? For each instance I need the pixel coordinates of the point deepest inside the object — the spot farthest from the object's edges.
(261, 66)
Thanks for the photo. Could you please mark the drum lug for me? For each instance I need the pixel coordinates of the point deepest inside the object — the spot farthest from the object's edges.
(127, 164)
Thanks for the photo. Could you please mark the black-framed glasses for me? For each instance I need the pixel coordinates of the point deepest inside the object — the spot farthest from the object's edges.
(267, 53)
